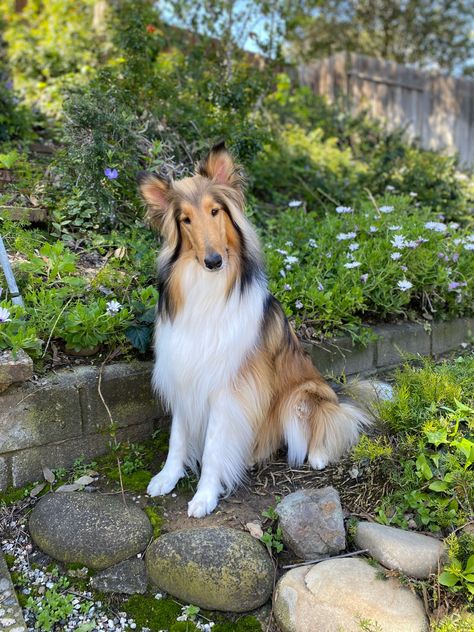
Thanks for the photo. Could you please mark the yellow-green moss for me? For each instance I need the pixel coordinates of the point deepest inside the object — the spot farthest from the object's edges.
(161, 614)
(155, 519)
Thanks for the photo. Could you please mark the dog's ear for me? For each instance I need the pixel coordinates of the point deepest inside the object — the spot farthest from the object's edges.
(155, 191)
(220, 167)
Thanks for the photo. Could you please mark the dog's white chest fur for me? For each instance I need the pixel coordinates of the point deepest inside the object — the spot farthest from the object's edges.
(200, 352)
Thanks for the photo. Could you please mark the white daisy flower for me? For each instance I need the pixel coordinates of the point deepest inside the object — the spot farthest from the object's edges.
(373, 229)
(294, 203)
(398, 241)
(312, 243)
(404, 285)
(113, 307)
(5, 315)
(352, 264)
(345, 236)
(298, 304)
(386, 209)
(439, 227)
(343, 210)
(395, 256)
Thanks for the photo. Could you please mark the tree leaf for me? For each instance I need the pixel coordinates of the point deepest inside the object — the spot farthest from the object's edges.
(84, 480)
(48, 475)
(37, 489)
(255, 529)
(72, 487)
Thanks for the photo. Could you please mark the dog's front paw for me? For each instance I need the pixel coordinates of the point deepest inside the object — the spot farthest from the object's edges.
(162, 484)
(202, 504)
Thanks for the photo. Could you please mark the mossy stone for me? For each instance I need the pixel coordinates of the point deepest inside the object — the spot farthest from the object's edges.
(94, 530)
(217, 568)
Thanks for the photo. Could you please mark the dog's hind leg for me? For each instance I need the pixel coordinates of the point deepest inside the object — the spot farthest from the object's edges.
(174, 468)
(226, 454)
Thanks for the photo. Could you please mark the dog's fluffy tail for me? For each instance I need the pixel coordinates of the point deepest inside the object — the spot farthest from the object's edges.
(326, 428)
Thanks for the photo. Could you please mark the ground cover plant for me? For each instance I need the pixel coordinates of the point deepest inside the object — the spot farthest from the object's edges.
(426, 455)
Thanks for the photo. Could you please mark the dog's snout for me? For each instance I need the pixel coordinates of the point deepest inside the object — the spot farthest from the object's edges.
(213, 261)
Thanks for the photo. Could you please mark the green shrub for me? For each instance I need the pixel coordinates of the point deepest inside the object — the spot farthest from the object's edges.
(433, 414)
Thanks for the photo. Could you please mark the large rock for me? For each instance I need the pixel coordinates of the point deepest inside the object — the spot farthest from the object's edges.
(90, 529)
(340, 594)
(312, 522)
(127, 577)
(217, 568)
(414, 554)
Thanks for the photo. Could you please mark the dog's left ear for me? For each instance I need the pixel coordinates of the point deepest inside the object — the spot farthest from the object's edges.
(220, 167)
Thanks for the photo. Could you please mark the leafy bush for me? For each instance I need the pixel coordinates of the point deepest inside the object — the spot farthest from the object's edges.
(432, 473)
(379, 260)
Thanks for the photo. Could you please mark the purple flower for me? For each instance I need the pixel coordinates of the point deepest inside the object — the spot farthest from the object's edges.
(364, 277)
(320, 287)
(112, 174)
(455, 256)
(9, 85)
(454, 285)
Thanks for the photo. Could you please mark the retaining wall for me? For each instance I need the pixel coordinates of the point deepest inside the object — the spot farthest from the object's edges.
(57, 419)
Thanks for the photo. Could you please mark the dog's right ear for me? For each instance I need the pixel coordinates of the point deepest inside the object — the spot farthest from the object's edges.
(155, 191)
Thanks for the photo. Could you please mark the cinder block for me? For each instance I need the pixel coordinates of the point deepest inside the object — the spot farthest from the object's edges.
(449, 335)
(38, 413)
(28, 464)
(341, 356)
(126, 389)
(396, 341)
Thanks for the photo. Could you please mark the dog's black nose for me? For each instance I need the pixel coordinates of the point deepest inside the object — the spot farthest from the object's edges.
(213, 261)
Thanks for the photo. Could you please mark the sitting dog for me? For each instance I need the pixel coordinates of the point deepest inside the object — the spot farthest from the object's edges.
(227, 362)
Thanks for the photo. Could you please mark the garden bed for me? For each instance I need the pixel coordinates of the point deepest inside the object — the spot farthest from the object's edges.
(414, 472)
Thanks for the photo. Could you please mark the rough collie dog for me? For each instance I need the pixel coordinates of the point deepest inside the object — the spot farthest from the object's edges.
(228, 364)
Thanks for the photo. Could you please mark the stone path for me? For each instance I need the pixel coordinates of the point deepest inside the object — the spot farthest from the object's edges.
(11, 618)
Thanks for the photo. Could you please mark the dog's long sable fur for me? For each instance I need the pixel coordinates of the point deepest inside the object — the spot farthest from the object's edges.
(228, 364)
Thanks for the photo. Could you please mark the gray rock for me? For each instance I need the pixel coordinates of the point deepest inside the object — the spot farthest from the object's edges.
(340, 594)
(312, 522)
(414, 554)
(91, 529)
(217, 568)
(14, 368)
(127, 577)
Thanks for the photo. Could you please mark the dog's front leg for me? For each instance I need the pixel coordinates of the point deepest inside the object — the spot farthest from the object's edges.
(226, 453)
(174, 468)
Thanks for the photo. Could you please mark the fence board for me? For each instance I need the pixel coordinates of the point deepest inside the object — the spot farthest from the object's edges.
(436, 109)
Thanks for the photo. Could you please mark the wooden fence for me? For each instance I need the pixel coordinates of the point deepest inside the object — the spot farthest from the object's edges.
(436, 109)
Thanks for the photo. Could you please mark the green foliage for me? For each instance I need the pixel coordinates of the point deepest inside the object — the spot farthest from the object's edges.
(52, 607)
(272, 537)
(434, 481)
(458, 575)
(372, 449)
(455, 622)
(335, 272)
(15, 333)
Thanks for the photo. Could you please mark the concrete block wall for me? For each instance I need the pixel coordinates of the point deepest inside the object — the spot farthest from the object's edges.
(57, 419)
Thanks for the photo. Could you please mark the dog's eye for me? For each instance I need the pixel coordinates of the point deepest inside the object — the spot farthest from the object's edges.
(186, 220)
(214, 212)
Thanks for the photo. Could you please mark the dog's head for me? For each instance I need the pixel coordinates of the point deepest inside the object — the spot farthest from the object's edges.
(199, 212)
